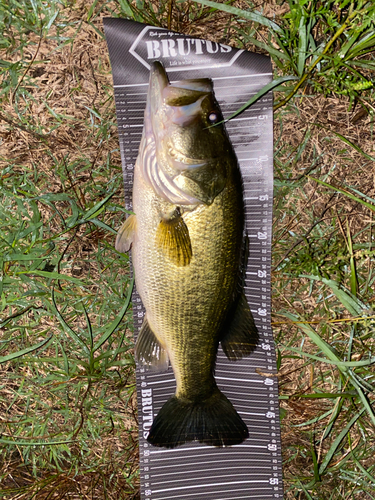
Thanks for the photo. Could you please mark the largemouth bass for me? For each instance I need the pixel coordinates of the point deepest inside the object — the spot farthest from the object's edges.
(187, 239)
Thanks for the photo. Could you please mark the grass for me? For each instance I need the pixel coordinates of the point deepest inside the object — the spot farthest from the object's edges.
(68, 403)
(323, 293)
(68, 421)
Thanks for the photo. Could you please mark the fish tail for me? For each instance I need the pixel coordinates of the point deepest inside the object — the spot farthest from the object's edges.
(213, 421)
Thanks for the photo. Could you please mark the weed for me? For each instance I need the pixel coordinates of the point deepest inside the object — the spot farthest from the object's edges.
(327, 46)
(68, 398)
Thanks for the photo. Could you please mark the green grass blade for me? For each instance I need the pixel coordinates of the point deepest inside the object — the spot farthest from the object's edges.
(347, 45)
(14, 355)
(18, 257)
(323, 346)
(66, 327)
(10, 442)
(103, 225)
(302, 48)
(89, 326)
(349, 301)
(91, 9)
(276, 53)
(364, 45)
(343, 191)
(53, 275)
(251, 16)
(315, 461)
(362, 63)
(325, 395)
(118, 350)
(360, 466)
(335, 413)
(314, 420)
(318, 341)
(368, 198)
(263, 91)
(354, 146)
(337, 442)
(353, 270)
(308, 496)
(117, 321)
(125, 6)
(97, 208)
(330, 361)
(365, 401)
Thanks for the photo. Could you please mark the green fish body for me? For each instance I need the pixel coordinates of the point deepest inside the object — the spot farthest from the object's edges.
(187, 248)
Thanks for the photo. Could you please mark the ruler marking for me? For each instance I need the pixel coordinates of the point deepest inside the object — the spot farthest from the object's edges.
(264, 497)
(214, 462)
(211, 484)
(222, 476)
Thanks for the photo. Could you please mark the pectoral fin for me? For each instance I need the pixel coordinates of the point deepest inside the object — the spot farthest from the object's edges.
(125, 235)
(148, 350)
(173, 238)
(240, 335)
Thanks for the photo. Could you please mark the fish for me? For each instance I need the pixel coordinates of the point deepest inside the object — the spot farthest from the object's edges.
(189, 253)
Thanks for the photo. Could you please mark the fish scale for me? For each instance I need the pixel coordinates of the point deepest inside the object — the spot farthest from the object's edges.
(179, 309)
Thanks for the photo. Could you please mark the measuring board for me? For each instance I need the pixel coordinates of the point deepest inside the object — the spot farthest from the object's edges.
(194, 471)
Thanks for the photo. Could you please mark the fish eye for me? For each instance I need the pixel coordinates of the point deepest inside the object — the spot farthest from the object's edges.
(213, 117)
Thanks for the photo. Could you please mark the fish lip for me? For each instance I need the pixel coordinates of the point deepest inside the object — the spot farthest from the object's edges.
(158, 72)
(158, 82)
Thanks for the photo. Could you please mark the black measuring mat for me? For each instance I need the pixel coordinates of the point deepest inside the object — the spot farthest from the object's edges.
(194, 471)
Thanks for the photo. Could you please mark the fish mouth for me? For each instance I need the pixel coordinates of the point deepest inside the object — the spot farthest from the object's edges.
(158, 76)
(157, 70)
(159, 84)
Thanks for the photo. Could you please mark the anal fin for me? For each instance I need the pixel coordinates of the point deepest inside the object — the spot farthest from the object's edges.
(172, 236)
(148, 350)
(125, 234)
(240, 335)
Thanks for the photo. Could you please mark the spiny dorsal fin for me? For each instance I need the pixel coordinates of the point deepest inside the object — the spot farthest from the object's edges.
(240, 335)
(125, 234)
(148, 350)
(172, 236)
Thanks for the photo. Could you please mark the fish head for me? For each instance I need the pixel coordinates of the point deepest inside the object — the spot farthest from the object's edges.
(191, 151)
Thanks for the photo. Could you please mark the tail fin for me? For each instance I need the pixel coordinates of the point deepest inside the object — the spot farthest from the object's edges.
(213, 421)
